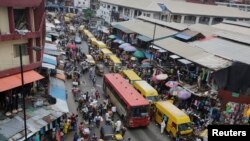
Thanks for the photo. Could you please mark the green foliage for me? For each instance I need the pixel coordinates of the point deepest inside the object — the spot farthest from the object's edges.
(88, 13)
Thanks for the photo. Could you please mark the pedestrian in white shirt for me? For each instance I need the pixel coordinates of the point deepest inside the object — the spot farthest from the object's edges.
(163, 125)
(118, 125)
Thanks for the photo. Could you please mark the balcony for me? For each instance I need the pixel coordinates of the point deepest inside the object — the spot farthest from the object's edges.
(20, 3)
(15, 36)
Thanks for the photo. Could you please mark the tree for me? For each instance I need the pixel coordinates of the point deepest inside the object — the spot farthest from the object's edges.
(88, 14)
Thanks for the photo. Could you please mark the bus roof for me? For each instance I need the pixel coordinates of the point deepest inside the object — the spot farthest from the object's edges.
(115, 59)
(106, 51)
(101, 44)
(126, 90)
(177, 115)
(147, 88)
(131, 75)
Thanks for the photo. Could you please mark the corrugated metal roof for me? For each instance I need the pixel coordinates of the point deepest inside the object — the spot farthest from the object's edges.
(194, 54)
(233, 28)
(235, 37)
(122, 28)
(182, 7)
(239, 23)
(226, 49)
(146, 28)
(11, 127)
(172, 25)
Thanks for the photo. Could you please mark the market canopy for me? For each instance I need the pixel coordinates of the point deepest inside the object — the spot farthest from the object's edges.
(193, 54)
(144, 38)
(122, 28)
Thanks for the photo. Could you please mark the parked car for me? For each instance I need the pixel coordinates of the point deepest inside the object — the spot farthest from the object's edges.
(78, 40)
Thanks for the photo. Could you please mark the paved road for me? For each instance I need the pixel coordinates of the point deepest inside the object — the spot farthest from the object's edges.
(150, 133)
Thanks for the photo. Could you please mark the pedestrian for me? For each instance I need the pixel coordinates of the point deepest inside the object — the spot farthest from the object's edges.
(98, 120)
(97, 95)
(129, 139)
(94, 80)
(123, 131)
(177, 138)
(163, 125)
(118, 125)
(75, 137)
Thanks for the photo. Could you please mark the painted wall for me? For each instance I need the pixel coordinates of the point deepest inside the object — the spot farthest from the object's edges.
(7, 55)
(4, 20)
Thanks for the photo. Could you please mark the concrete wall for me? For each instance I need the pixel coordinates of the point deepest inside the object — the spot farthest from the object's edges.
(4, 20)
(7, 55)
(83, 3)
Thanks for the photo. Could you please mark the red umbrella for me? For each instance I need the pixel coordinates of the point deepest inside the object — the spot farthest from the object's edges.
(71, 45)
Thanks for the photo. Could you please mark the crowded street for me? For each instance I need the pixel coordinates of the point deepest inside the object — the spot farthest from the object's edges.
(124, 70)
(152, 132)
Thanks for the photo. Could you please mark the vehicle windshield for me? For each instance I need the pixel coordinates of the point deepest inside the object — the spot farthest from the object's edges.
(152, 98)
(139, 111)
(184, 126)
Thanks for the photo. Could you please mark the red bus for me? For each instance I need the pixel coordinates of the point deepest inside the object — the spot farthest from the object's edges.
(130, 105)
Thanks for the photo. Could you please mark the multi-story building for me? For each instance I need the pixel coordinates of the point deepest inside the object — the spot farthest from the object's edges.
(22, 24)
(85, 4)
(243, 5)
(169, 10)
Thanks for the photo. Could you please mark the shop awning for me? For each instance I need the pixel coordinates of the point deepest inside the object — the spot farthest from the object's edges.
(49, 46)
(122, 28)
(144, 38)
(49, 66)
(14, 81)
(49, 59)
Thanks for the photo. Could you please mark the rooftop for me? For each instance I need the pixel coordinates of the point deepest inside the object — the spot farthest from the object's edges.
(139, 27)
(181, 7)
(194, 54)
(225, 48)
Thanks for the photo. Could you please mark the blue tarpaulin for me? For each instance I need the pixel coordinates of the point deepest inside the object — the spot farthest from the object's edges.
(57, 88)
(183, 36)
(49, 59)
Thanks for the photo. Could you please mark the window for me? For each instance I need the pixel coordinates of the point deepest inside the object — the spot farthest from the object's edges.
(24, 49)
(79, 2)
(20, 19)
(108, 6)
(148, 15)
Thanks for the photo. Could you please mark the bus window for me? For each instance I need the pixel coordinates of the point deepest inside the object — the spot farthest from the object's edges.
(139, 111)
(184, 127)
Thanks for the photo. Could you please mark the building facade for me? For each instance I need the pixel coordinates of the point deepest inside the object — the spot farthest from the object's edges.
(23, 26)
(169, 10)
(244, 6)
(85, 4)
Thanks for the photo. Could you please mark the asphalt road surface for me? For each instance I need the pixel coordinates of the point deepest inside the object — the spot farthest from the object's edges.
(150, 133)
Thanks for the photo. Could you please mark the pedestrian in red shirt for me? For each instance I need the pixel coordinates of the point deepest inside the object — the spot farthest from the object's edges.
(97, 95)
